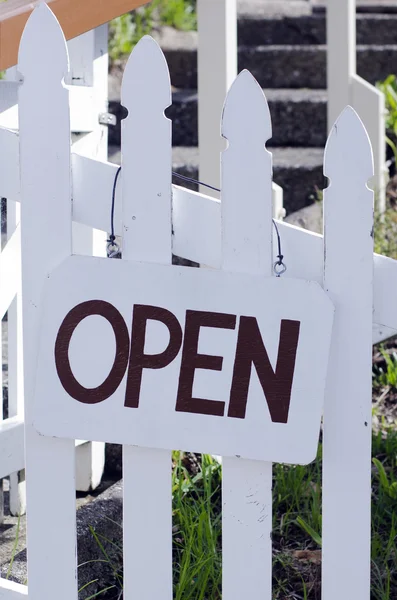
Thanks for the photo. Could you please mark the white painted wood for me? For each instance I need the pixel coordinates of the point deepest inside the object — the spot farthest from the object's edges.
(46, 240)
(83, 118)
(278, 202)
(8, 103)
(89, 67)
(217, 68)
(369, 102)
(9, 277)
(81, 57)
(158, 422)
(9, 164)
(345, 87)
(10, 75)
(11, 446)
(90, 463)
(12, 591)
(196, 224)
(18, 493)
(15, 362)
(247, 248)
(95, 144)
(10, 271)
(146, 187)
(348, 280)
(341, 54)
(196, 230)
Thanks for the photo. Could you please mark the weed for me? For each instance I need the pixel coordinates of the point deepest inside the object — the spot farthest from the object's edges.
(385, 233)
(389, 89)
(386, 376)
(196, 529)
(384, 516)
(14, 549)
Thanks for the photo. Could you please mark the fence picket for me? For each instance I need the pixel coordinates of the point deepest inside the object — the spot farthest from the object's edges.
(146, 235)
(348, 279)
(46, 241)
(217, 68)
(15, 366)
(15, 362)
(246, 247)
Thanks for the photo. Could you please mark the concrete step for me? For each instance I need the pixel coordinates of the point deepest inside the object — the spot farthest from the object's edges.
(256, 29)
(299, 117)
(280, 66)
(299, 171)
(362, 6)
(102, 511)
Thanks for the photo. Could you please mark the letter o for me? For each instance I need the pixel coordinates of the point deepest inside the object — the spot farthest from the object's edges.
(66, 330)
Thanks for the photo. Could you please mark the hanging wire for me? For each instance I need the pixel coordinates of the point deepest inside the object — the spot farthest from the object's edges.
(191, 180)
(279, 266)
(113, 248)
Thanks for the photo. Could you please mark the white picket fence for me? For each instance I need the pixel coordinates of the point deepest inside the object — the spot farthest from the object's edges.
(216, 71)
(87, 81)
(217, 68)
(363, 287)
(346, 87)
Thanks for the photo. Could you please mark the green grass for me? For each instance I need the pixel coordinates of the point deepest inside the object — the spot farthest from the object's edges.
(389, 88)
(296, 527)
(385, 375)
(385, 233)
(127, 30)
(196, 529)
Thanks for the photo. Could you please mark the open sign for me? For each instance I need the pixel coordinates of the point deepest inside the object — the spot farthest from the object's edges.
(200, 360)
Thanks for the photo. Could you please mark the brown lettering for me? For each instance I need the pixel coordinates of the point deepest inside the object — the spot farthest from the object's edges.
(191, 361)
(276, 385)
(65, 374)
(138, 359)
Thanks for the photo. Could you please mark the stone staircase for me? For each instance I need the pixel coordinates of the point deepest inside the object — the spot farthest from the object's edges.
(284, 48)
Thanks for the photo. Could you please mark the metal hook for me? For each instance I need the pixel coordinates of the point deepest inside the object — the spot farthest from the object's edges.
(112, 249)
(279, 268)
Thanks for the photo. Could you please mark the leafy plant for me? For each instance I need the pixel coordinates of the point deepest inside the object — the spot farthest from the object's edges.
(388, 483)
(316, 537)
(389, 89)
(386, 376)
(126, 31)
(179, 13)
(14, 549)
(385, 233)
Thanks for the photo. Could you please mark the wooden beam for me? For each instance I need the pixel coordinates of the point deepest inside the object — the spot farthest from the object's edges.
(75, 16)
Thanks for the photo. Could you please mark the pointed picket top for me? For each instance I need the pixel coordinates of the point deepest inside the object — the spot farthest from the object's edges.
(146, 151)
(246, 112)
(348, 281)
(348, 148)
(43, 51)
(146, 77)
(246, 205)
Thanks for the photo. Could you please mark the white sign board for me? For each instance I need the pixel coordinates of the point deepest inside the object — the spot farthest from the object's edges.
(180, 358)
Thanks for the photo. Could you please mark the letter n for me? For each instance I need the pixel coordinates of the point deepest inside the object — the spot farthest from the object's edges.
(276, 384)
